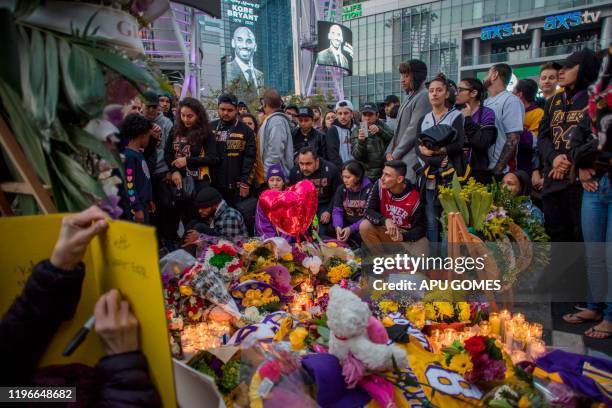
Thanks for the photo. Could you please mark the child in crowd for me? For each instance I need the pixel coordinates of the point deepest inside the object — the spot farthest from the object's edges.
(137, 129)
(263, 226)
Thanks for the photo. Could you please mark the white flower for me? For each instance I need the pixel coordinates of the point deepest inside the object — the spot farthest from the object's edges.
(252, 314)
(313, 263)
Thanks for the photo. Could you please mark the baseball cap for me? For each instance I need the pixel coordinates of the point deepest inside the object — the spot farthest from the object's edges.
(575, 58)
(228, 98)
(391, 99)
(369, 107)
(345, 103)
(305, 111)
(150, 98)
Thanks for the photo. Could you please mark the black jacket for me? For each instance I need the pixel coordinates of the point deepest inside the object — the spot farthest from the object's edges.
(50, 297)
(237, 152)
(584, 151)
(314, 139)
(418, 220)
(326, 179)
(562, 115)
(480, 134)
(201, 157)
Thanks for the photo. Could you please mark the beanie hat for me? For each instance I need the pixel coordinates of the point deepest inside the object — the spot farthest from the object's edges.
(418, 69)
(207, 197)
(275, 170)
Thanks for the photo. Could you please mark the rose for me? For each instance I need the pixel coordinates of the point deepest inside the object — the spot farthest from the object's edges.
(476, 345)
(270, 370)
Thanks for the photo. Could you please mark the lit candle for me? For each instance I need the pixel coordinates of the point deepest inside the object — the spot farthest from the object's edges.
(485, 328)
(519, 318)
(504, 316)
(536, 348)
(495, 322)
(449, 336)
(536, 330)
(509, 334)
(436, 335)
(518, 355)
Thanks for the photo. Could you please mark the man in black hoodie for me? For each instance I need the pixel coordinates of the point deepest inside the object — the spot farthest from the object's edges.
(561, 194)
(237, 150)
(326, 178)
(306, 135)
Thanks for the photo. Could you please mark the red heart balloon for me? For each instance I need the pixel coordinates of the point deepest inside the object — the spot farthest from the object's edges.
(292, 210)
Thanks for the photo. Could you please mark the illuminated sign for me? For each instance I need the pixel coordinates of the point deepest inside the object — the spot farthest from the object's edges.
(351, 12)
(502, 31)
(571, 20)
(243, 12)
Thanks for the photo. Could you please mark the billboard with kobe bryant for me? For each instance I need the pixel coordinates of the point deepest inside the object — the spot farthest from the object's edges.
(241, 18)
(335, 46)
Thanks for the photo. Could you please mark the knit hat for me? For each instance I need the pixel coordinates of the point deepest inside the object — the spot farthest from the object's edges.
(207, 197)
(275, 170)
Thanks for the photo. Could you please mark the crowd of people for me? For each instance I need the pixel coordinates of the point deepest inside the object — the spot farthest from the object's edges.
(377, 170)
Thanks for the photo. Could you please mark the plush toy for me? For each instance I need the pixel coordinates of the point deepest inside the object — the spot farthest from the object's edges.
(354, 336)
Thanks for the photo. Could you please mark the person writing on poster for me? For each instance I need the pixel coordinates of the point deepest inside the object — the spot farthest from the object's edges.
(333, 55)
(49, 298)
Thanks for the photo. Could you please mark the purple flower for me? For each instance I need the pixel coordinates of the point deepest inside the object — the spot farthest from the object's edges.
(110, 205)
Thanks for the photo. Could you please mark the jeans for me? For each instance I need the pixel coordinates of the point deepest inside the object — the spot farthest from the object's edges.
(433, 210)
(597, 232)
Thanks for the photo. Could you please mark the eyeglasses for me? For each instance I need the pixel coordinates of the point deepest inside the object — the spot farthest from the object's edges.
(461, 89)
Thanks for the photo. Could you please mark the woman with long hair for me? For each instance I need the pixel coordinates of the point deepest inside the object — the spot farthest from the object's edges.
(479, 126)
(190, 153)
(328, 120)
(440, 150)
(350, 203)
(251, 121)
(276, 180)
(192, 149)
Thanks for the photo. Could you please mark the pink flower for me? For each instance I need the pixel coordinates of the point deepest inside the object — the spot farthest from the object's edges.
(270, 370)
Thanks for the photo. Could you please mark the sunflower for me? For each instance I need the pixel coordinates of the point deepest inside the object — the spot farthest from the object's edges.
(461, 363)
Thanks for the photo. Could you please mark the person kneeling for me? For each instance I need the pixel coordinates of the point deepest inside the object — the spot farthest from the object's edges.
(215, 218)
(394, 213)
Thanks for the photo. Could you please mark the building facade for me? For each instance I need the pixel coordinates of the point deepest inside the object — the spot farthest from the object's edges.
(465, 37)
(211, 47)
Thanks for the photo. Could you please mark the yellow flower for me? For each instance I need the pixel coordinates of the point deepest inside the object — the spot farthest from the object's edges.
(387, 321)
(284, 328)
(332, 244)
(430, 311)
(288, 256)
(258, 276)
(464, 311)
(339, 272)
(388, 306)
(250, 246)
(461, 363)
(297, 338)
(524, 402)
(186, 290)
(255, 297)
(445, 309)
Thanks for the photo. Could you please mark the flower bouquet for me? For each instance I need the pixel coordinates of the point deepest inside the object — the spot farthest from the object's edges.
(479, 359)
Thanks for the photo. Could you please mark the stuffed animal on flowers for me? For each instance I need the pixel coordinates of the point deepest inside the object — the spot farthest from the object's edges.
(357, 337)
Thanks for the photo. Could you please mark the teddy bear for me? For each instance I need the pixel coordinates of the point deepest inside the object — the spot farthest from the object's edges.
(356, 334)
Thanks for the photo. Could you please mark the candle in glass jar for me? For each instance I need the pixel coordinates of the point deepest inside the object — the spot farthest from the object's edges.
(449, 336)
(518, 355)
(536, 330)
(519, 318)
(509, 334)
(495, 322)
(485, 328)
(436, 335)
(536, 348)
(504, 316)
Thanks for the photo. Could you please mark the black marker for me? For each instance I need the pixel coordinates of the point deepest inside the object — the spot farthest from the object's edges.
(79, 337)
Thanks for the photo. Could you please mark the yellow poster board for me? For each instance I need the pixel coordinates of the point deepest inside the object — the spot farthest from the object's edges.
(125, 258)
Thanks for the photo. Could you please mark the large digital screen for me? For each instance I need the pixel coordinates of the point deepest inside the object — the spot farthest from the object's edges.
(335, 45)
(241, 70)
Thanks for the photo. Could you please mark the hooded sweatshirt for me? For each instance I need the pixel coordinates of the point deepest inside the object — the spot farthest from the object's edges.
(414, 107)
(350, 206)
(371, 151)
(276, 142)
(338, 141)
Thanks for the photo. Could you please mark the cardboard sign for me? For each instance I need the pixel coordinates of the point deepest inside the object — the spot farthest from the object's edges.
(124, 258)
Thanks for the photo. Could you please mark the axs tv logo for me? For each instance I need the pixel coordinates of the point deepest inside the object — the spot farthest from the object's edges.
(570, 20)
